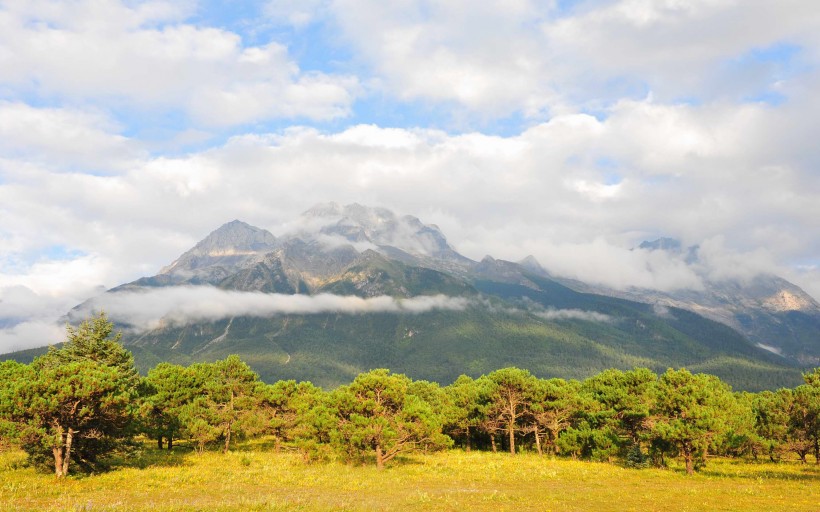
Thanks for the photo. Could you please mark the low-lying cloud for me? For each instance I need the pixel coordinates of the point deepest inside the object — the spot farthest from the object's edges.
(30, 334)
(574, 314)
(150, 308)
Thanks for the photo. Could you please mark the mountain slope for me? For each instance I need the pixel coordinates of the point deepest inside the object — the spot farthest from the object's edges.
(515, 314)
(768, 310)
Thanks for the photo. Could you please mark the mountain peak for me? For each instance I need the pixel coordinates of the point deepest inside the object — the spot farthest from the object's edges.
(380, 227)
(236, 236)
(530, 263)
(234, 241)
(329, 209)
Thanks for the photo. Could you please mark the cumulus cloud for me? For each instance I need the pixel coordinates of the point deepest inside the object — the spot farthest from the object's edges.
(145, 54)
(149, 308)
(546, 58)
(65, 139)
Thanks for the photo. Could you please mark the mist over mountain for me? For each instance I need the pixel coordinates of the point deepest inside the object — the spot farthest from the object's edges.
(350, 288)
(769, 310)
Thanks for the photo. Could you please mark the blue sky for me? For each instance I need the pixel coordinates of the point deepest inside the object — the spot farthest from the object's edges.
(571, 130)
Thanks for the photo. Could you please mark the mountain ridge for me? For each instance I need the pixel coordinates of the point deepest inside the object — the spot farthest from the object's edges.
(515, 314)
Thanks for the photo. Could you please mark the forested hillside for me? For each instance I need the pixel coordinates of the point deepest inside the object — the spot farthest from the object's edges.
(78, 405)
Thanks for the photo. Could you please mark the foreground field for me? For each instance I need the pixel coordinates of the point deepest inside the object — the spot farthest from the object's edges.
(257, 479)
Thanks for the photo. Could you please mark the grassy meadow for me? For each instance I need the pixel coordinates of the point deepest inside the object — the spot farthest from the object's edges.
(253, 477)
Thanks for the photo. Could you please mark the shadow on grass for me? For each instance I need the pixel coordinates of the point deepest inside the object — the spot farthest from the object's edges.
(146, 455)
(264, 444)
(806, 473)
(757, 470)
(155, 458)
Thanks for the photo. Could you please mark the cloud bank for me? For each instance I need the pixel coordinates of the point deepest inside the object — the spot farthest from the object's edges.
(568, 130)
(150, 308)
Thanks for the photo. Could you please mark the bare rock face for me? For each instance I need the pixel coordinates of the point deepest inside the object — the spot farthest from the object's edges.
(786, 300)
(230, 247)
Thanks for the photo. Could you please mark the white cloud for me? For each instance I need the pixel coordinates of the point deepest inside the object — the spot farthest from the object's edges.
(485, 56)
(720, 263)
(496, 58)
(145, 56)
(29, 319)
(618, 267)
(574, 314)
(64, 138)
(149, 308)
(31, 334)
(298, 13)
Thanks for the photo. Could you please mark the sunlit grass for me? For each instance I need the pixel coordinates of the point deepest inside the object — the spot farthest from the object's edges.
(254, 478)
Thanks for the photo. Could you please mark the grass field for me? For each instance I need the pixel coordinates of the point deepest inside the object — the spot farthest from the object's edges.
(254, 478)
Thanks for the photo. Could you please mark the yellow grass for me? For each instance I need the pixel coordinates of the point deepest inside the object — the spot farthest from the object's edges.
(258, 479)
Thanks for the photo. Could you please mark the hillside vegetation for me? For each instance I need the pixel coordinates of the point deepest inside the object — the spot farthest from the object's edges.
(81, 407)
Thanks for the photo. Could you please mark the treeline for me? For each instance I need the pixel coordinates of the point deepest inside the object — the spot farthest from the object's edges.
(79, 404)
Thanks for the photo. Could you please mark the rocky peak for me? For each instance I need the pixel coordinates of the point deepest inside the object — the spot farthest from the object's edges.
(236, 237)
(230, 244)
(532, 264)
(380, 227)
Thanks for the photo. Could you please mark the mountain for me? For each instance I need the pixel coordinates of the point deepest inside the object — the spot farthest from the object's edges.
(232, 246)
(770, 311)
(423, 309)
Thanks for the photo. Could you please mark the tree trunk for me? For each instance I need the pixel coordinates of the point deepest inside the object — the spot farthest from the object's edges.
(379, 457)
(227, 439)
(69, 438)
(537, 440)
(511, 433)
(62, 452)
(58, 461)
(492, 443)
(159, 442)
(277, 444)
(817, 451)
(468, 439)
(170, 443)
(690, 462)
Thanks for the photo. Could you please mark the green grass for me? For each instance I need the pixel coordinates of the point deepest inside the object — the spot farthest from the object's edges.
(254, 478)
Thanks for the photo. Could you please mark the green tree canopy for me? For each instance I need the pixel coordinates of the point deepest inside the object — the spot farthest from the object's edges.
(509, 393)
(690, 412)
(167, 389)
(77, 402)
(226, 403)
(377, 414)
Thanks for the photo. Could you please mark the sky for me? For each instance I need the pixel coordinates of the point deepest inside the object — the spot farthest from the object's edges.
(571, 130)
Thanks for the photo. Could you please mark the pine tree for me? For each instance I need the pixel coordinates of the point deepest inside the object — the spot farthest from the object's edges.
(690, 412)
(377, 414)
(76, 403)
